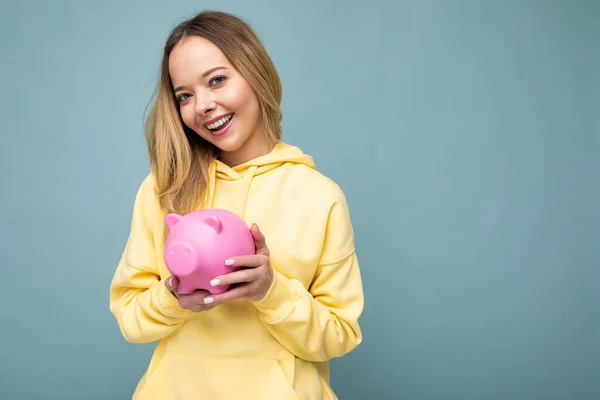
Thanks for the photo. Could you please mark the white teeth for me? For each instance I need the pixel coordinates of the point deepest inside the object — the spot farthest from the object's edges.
(220, 122)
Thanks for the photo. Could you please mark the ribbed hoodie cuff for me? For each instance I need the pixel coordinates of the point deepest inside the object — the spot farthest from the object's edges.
(170, 305)
(279, 300)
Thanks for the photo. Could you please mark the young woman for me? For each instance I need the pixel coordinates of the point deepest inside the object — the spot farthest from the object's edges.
(214, 142)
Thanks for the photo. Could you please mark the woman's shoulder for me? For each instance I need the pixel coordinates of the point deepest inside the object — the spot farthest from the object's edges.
(146, 197)
(306, 173)
(317, 185)
(147, 187)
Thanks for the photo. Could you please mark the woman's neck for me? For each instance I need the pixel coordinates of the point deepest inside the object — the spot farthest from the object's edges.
(253, 148)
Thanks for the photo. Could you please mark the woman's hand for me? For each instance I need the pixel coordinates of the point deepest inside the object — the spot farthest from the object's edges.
(253, 281)
(193, 301)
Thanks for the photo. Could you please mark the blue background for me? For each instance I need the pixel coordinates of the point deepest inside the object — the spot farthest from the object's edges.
(465, 134)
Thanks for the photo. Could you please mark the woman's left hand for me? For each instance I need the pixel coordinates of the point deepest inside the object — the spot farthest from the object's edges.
(253, 280)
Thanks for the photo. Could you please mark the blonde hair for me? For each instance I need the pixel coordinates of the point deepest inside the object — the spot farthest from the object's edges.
(179, 157)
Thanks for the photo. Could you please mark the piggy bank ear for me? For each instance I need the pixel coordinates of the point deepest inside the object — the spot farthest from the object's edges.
(215, 223)
(173, 219)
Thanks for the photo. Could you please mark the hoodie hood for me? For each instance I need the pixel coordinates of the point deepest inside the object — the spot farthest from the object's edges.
(244, 173)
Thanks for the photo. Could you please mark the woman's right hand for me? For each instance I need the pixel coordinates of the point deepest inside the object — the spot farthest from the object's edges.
(193, 301)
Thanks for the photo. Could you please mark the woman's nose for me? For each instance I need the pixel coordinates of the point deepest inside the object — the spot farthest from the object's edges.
(205, 104)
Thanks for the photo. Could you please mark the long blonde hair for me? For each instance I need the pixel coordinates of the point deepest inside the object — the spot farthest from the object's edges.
(179, 157)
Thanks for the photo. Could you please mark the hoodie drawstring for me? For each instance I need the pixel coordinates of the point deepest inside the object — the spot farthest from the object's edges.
(212, 181)
(242, 199)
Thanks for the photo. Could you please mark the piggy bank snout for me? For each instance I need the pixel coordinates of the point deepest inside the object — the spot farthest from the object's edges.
(181, 259)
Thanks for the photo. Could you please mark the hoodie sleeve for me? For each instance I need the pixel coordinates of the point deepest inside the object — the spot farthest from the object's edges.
(320, 323)
(144, 308)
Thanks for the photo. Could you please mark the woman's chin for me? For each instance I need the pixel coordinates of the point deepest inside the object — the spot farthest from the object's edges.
(229, 143)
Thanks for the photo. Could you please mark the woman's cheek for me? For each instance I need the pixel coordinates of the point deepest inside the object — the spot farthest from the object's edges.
(188, 118)
(231, 99)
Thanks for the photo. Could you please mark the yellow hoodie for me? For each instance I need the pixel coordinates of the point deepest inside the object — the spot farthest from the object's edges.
(277, 348)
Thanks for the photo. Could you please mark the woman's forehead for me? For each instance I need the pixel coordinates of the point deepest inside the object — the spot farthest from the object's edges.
(196, 55)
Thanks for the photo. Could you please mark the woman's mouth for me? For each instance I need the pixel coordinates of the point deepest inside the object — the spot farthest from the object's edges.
(220, 126)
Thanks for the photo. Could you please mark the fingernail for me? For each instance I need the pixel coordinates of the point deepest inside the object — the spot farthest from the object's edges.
(229, 261)
(170, 281)
(215, 282)
(208, 300)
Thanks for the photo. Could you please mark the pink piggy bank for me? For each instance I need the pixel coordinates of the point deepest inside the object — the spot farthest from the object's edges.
(199, 243)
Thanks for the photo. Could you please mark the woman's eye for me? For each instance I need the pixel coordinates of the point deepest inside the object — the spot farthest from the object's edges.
(182, 97)
(217, 80)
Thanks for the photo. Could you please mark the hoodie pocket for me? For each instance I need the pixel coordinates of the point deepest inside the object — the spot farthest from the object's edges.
(186, 377)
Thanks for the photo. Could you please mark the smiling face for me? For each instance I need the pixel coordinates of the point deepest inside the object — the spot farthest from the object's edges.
(215, 100)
